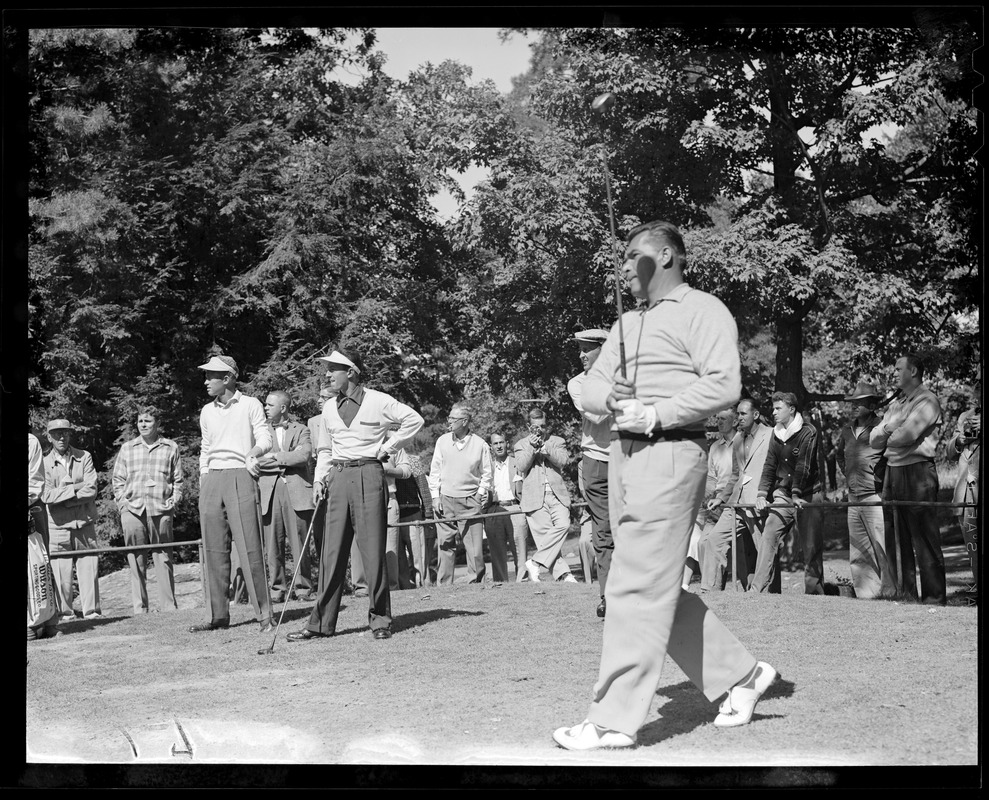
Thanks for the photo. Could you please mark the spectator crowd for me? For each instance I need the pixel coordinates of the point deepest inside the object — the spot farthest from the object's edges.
(289, 506)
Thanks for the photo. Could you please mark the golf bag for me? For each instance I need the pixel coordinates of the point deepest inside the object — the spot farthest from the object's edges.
(42, 602)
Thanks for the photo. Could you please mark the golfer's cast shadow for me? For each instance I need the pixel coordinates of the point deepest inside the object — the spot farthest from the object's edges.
(399, 624)
(688, 709)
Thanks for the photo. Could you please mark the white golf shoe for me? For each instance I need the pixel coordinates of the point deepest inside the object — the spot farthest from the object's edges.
(738, 706)
(588, 736)
(533, 570)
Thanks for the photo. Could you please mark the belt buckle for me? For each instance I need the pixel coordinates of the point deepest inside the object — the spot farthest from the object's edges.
(339, 467)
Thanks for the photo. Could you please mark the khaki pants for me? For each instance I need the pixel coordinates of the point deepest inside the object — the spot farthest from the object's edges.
(550, 525)
(871, 575)
(61, 540)
(450, 534)
(655, 490)
(149, 529)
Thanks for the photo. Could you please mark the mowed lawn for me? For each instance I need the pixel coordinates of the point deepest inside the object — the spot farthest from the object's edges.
(482, 674)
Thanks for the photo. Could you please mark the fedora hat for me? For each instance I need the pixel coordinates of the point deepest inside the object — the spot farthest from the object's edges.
(863, 391)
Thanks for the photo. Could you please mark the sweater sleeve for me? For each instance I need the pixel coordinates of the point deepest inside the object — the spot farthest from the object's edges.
(804, 471)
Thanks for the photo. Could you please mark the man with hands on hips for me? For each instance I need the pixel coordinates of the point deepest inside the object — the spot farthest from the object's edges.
(356, 439)
(682, 366)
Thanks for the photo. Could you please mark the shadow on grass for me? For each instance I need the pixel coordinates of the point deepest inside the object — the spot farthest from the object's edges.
(688, 709)
(419, 618)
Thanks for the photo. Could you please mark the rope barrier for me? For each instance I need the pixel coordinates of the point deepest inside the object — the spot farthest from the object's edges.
(580, 504)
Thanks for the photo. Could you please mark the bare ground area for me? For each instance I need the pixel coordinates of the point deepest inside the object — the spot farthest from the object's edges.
(482, 674)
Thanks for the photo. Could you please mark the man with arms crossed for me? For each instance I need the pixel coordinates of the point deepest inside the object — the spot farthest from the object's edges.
(357, 439)
(683, 366)
(909, 434)
(234, 435)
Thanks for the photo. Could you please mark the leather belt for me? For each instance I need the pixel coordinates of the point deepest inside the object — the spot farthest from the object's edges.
(666, 435)
(357, 462)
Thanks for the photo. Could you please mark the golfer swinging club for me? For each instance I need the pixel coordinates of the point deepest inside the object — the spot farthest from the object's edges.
(682, 367)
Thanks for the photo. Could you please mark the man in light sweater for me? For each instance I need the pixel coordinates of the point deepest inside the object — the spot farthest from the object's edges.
(681, 366)
(459, 481)
(595, 441)
(356, 438)
(909, 434)
(235, 434)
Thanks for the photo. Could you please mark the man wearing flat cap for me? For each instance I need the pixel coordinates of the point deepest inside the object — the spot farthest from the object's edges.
(863, 466)
(356, 438)
(70, 497)
(595, 442)
(234, 434)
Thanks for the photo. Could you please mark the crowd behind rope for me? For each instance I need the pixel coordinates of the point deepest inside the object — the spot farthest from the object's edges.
(262, 500)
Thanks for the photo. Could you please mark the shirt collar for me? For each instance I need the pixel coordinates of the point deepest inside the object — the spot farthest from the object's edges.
(676, 294)
(907, 397)
(236, 398)
(354, 393)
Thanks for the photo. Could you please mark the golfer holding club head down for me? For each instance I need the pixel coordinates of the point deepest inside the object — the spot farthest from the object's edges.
(683, 366)
(356, 439)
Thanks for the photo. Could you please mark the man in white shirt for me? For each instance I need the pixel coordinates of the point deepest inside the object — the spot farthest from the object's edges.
(459, 480)
(356, 437)
(508, 532)
(235, 434)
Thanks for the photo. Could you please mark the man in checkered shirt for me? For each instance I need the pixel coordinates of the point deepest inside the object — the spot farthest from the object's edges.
(147, 485)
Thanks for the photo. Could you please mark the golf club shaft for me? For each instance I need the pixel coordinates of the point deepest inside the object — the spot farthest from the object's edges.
(618, 263)
(295, 574)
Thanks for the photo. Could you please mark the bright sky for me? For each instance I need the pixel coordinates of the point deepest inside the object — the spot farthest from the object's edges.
(478, 48)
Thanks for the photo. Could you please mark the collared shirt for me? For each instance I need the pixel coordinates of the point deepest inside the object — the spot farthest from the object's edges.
(718, 467)
(860, 462)
(460, 468)
(147, 478)
(595, 429)
(368, 431)
(230, 431)
(908, 429)
(70, 489)
(502, 479)
(681, 354)
(35, 470)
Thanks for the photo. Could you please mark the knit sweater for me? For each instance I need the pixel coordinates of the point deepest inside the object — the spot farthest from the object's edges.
(457, 472)
(791, 467)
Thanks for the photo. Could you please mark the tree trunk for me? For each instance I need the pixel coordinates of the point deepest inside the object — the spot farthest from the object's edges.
(790, 357)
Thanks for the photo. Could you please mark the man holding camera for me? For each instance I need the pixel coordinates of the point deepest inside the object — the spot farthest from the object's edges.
(540, 458)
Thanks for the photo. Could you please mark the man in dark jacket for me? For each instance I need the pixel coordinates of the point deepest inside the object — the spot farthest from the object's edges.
(790, 476)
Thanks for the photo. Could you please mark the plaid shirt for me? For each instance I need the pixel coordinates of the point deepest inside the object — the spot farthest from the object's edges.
(148, 477)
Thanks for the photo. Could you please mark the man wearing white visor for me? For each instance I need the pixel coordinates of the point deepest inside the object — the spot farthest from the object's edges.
(350, 473)
(235, 433)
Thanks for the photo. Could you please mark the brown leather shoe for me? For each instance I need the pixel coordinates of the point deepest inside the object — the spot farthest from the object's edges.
(382, 633)
(215, 625)
(305, 635)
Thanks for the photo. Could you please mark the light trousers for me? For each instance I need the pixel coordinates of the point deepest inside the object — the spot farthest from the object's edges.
(715, 544)
(655, 490)
(550, 524)
(871, 575)
(87, 568)
(449, 535)
(808, 530)
(149, 529)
